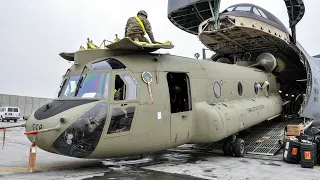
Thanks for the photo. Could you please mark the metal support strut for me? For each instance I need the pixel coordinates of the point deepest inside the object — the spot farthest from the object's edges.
(215, 12)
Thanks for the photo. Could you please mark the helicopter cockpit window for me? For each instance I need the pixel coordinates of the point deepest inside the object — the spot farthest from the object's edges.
(95, 86)
(132, 87)
(108, 64)
(119, 89)
(69, 87)
(243, 8)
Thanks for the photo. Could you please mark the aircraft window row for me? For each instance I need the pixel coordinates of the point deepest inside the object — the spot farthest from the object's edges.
(255, 10)
(229, 9)
(217, 89)
(243, 8)
(262, 14)
(108, 64)
(121, 120)
(120, 88)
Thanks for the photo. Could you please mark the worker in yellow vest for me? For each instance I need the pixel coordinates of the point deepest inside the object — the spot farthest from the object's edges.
(138, 26)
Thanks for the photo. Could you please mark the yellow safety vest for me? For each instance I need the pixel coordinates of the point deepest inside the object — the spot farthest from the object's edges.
(141, 24)
(115, 91)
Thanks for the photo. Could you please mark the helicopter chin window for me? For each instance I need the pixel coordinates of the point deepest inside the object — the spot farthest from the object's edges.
(121, 120)
(81, 137)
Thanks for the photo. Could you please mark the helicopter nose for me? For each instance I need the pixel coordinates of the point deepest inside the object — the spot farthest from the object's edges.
(82, 136)
(67, 133)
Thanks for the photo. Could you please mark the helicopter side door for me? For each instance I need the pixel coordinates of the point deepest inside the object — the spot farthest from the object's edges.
(123, 104)
(180, 105)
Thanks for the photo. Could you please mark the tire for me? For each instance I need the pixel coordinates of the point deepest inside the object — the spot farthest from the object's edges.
(15, 120)
(239, 148)
(227, 148)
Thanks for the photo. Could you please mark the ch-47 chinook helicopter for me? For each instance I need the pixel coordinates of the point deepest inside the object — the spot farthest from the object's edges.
(125, 99)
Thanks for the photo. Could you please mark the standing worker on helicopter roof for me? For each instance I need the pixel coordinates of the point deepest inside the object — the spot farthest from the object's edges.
(138, 26)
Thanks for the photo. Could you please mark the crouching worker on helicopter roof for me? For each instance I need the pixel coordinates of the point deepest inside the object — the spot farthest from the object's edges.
(138, 26)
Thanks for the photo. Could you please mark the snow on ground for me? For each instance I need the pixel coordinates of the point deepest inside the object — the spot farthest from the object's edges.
(14, 159)
(239, 168)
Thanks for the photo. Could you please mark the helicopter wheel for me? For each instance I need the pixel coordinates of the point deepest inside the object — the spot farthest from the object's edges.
(239, 147)
(227, 147)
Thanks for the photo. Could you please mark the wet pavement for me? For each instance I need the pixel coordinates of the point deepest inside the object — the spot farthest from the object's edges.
(139, 174)
(171, 165)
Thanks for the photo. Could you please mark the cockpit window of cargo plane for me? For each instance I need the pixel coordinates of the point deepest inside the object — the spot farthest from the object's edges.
(95, 85)
(228, 9)
(243, 8)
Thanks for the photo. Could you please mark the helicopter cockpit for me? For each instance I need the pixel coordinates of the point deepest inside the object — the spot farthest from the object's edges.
(100, 80)
(254, 12)
(94, 83)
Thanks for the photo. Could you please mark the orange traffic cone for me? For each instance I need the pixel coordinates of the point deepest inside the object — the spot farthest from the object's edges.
(32, 157)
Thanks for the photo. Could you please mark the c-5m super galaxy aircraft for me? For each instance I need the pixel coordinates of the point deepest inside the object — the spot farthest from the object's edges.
(125, 99)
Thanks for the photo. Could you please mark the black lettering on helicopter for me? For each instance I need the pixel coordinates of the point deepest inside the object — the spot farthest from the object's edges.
(256, 108)
(37, 127)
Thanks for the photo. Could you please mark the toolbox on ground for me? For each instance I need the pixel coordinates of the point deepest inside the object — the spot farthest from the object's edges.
(308, 154)
(291, 151)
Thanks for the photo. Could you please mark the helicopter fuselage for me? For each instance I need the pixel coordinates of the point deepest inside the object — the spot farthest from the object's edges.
(133, 104)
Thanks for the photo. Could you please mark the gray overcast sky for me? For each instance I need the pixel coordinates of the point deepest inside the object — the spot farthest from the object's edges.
(34, 32)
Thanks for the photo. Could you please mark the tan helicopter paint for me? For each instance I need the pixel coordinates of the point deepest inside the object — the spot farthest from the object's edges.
(45, 140)
(206, 122)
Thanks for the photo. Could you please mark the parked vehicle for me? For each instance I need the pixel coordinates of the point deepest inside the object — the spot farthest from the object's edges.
(9, 113)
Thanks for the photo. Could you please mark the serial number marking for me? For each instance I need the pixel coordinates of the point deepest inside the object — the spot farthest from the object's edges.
(37, 126)
(256, 108)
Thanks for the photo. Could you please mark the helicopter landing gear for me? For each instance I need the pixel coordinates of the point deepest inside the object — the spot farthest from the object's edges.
(234, 146)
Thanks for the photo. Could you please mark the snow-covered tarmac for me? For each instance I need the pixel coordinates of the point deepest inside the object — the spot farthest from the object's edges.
(172, 165)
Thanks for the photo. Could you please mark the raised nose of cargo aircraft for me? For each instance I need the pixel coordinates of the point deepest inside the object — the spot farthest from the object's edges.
(68, 127)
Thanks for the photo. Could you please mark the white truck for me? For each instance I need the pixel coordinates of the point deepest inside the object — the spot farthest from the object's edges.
(9, 113)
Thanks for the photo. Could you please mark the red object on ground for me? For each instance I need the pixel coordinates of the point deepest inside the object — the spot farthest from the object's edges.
(1, 127)
(31, 132)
